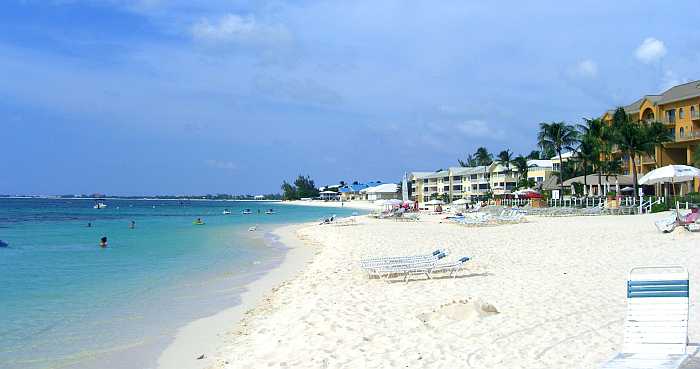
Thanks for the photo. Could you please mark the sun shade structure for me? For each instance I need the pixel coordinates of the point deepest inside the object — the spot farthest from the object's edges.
(670, 173)
(435, 202)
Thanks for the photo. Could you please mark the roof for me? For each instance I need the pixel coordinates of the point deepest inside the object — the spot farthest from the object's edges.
(440, 174)
(680, 92)
(460, 171)
(565, 155)
(540, 163)
(383, 188)
(419, 175)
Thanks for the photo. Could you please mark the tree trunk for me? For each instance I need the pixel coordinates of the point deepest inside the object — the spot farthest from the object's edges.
(585, 180)
(634, 178)
(561, 175)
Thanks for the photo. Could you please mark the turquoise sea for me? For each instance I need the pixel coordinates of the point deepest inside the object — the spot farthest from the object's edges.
(67, 303)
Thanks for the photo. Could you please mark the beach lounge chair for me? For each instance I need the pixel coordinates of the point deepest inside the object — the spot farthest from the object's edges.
(401, 260)
(426, 268)
(656, 326)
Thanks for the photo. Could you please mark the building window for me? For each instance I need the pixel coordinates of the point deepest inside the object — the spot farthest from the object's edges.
(681, 113)
(457, 178)
(425, 189)
(693, 112)
(540, 179)
(457, 188)
(446, 188)
(682, 132)
(671, 115)
(473, 177)
(474, 187)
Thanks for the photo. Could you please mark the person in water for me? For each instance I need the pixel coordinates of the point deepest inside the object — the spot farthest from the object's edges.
(132, 225)
(103, 242)
(89, 225)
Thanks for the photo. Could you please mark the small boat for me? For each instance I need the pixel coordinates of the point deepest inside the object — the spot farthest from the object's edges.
(226, 212)
(252, 229)
(247, 211)
(270, 211)
(198, 222)
(99, 205)
(3, 244)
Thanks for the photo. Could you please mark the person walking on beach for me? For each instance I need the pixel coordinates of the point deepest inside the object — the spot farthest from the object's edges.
(103, 242)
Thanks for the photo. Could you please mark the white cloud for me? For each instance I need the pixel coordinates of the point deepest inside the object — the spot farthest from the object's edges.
(219, 164)
(234, 29)
(586, 68)
(650, 50)
(476, 128)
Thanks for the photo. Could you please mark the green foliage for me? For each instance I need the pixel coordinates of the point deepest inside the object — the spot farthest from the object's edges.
(483, 156)
(696, 156)
(520, 163)
(612, 193)
(289, 192)
(445, 198)
(526, 183)
(578, 188)
(305, 187)
(505, 157)
(657, 208)
(535, 154)
(470, 161)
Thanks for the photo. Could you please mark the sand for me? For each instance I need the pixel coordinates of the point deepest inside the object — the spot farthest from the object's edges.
(358, 204)
(205, 336)
(549, 293)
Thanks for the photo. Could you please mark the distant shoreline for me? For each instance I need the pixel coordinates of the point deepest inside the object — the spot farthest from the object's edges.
(130, 198)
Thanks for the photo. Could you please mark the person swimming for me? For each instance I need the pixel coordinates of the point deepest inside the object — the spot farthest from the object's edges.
(3, 244)
(89, 225)
(132, 225)
(103, 242)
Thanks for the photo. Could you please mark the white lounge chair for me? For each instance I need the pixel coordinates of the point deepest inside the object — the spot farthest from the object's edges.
(656, 326)
(401, 260)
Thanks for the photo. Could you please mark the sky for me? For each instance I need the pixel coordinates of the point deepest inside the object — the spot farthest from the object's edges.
(138, 97)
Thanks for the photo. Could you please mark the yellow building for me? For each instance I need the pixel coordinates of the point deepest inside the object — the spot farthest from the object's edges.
(472, 183)
(678, 108)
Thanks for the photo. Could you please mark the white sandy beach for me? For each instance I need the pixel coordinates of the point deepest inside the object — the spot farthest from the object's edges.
(205, 336)
(359, 205)
(558, 285)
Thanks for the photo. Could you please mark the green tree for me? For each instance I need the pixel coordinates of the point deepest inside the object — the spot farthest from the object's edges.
(289, 192)
(636, 138)
(470, 161)
(520, 163)
(505, 158)
(535, 155)
(587, 156)
(557, 136)
(483, 156)
(696, 156)
(305, 187)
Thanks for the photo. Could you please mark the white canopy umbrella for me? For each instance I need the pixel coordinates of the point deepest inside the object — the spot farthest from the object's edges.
(670, 173)
(435, 202)
(394, 202)
(460, 202)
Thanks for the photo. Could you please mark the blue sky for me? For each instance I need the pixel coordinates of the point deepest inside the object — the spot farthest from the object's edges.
(158, 96)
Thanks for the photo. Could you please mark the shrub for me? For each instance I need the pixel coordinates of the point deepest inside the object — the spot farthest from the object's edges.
(657, 208)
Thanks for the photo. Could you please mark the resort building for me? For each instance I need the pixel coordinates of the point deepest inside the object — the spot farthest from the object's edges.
(565, 156)
(473, 183)
(353, 191)
(385, 191)
(678, 108)
(540, 170)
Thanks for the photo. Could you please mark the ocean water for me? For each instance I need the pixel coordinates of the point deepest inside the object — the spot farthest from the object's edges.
(67, 303)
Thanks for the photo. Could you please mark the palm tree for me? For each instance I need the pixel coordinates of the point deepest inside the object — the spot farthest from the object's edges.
(637, 138)
(588, 154)
(534, 155)
(557, 136)
(520, 163)
(468, 162)
(483, 156)
(599, 135)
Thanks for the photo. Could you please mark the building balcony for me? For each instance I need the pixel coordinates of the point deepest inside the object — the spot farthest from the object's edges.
(692, 135)
(695, 115)
(667, 121)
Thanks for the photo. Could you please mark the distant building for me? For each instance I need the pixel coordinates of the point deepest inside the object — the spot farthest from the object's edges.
(352, 191)
(259, 197)
(382, 192)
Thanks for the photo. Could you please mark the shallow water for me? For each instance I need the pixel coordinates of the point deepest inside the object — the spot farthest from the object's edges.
(67, 303)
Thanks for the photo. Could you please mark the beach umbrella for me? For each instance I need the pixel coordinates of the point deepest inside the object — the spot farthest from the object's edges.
(670, 173)
(627, 189)
(460, 202)
(393, 202)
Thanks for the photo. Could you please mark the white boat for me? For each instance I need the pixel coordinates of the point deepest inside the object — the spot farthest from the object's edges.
(247, 211)
(252, 229)
(226, 212)
(100, 205)
(270, 212)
